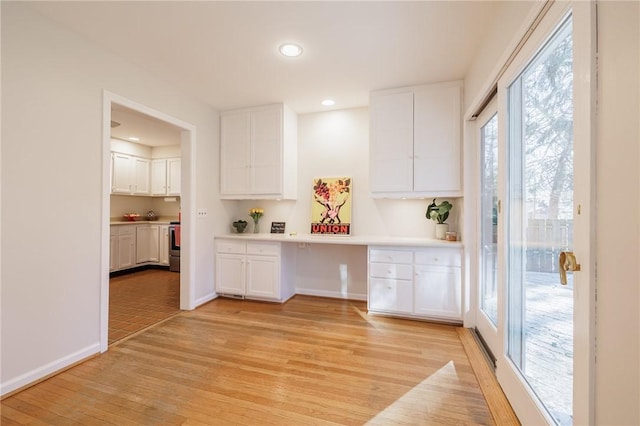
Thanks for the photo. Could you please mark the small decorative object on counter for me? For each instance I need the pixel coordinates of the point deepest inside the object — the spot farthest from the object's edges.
(256, 214)
(240, 226)
(131, 217)
(451, 236)
(151, 215)
(439, 213)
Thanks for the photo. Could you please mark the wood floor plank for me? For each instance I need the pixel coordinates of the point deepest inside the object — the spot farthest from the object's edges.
(309, 361)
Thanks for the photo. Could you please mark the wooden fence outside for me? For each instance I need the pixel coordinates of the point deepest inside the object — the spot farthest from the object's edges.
(546, 238)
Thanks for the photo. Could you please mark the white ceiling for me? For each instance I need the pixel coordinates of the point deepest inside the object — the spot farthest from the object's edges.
(225, 53)
(149, 130)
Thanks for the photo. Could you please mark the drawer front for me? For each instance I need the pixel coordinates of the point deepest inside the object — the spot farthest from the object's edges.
(438, 256)
(391, 270)
(265, 249)
(391, 295)
(390, 256)
(127, 230)
(228, 246)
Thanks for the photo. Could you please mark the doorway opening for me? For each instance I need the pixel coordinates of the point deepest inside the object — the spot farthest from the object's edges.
(147, 187)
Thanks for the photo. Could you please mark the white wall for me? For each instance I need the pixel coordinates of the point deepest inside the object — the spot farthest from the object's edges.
(618, 228)
(617, 180)
(52, 96)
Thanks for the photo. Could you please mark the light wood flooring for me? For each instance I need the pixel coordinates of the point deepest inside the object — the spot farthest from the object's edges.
(141, 299)
(310, 361)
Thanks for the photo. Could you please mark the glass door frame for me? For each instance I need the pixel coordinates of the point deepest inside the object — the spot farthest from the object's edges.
(490, 333)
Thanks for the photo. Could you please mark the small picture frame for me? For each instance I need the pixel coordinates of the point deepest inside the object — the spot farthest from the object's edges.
(277, 227)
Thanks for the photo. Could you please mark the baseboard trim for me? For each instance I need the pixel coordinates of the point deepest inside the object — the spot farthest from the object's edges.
(499, 406)
(208, 298)
(40, 374)
(331, 294)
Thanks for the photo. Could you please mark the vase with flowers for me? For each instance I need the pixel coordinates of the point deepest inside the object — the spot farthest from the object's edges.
(439, 213)
(256, 214)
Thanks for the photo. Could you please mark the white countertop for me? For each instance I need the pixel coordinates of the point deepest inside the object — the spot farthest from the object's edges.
(359, 240)
(139, 222)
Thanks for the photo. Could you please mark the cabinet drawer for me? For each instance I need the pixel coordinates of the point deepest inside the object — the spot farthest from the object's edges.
(227, 246)
(391, 295)
(272, 249)
(390, 256)
(439, 256)
(390, 270)
(127, 230)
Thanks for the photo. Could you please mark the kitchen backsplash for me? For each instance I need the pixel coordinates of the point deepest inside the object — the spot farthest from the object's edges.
(122, 204)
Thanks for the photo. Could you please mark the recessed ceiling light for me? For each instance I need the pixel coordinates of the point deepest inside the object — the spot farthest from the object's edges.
(290, 50)
(328, 102)
(133, 139)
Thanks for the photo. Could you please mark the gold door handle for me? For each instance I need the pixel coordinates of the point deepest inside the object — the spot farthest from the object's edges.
(567, 262)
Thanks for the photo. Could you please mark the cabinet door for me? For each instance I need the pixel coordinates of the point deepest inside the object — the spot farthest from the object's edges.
(113, 250)
(154, 244)
(163, 255)
(391, 155)
(173, 176)
(120, 173)
(235, 139)
(141, 173)
(230, 274)
(266, 151)
(395, 296)
(437, 121)
(127, 249)
(438, 291)
(159, 177)
(263, 276)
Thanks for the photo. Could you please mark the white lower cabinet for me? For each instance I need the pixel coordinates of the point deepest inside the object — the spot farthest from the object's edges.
(147, 243)
(416, 282)
(122, 248)
(137, 244)
(257, 270)
(163, 256)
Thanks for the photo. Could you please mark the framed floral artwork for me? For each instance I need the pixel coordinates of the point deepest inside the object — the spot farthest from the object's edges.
(331, 206)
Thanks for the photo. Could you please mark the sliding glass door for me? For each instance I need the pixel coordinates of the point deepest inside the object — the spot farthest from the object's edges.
(536, 190)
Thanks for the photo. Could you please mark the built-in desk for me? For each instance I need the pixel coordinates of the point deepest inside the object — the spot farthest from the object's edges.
(409, 277)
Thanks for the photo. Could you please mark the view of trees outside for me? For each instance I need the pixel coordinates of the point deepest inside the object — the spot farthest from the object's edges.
(548, 105)
(547, 109)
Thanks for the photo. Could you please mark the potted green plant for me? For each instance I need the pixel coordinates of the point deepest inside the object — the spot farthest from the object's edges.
(439, 213)
(240, 225)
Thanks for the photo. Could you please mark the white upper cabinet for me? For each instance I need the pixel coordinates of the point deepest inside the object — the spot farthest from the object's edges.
(258, 153)
(130, 174)
(165, 176)
(416, 141)
(174, 170)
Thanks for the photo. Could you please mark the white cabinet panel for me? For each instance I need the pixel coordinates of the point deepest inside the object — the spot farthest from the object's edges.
(141, 173)
(165, 176)
(147, 243)
(163, 256)
(391, 295)
(230, 274)
(264, 269)
(159, 177)
(391, 156)
(121, 173)
(416, 282)
(437, 123)
(258, 153)
(174, 176)
(263, 276)
(437, 291)
(126, 247)
(416, 141)
(130, 175)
